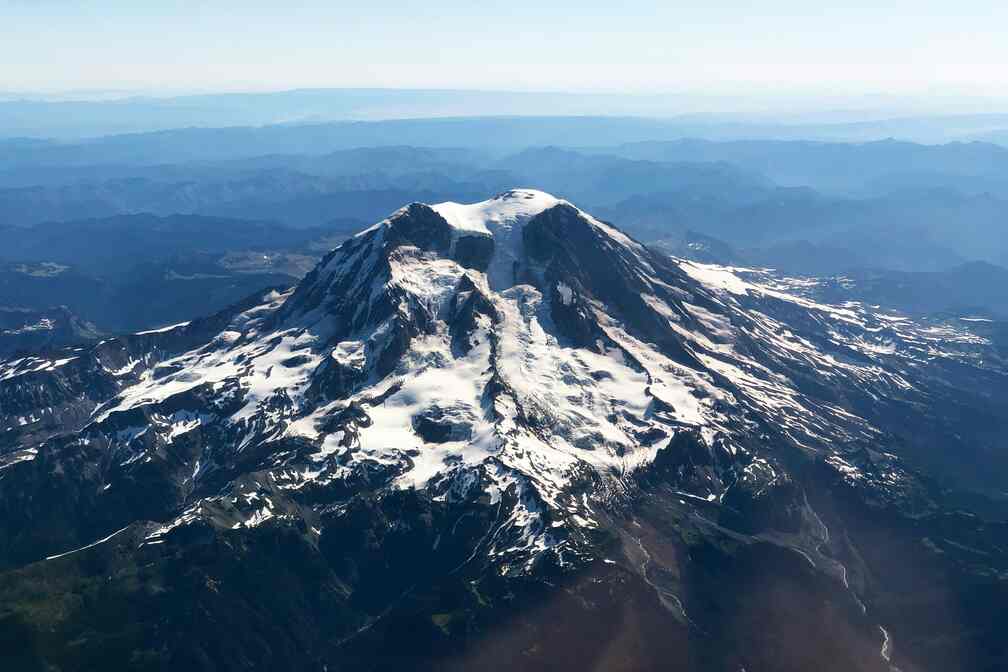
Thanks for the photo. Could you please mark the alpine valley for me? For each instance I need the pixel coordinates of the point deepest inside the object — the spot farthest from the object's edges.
(506, 435)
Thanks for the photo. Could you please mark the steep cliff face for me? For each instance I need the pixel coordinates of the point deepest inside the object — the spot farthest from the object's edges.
(502, 434)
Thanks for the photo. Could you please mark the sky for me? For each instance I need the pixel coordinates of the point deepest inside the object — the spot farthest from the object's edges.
(916, 48)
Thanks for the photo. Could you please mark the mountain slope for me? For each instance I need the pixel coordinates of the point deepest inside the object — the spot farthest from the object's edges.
(23, 330)
(489, 431)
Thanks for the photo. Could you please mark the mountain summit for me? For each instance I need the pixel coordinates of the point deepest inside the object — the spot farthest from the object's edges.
(503, 433)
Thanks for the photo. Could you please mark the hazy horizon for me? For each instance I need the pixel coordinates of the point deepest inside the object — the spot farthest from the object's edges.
(908, 58)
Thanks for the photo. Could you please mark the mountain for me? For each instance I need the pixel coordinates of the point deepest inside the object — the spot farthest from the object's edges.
(186, 285)
(859, 168)
(297, 200)
(117, 242)
(361, 166)
(999, 137)
(893, 205)
(399, 113)
(503, 435)
(495, 133)
(905, 230)
(105, 270)
(25, 330)
(972, 290)
(607, 179)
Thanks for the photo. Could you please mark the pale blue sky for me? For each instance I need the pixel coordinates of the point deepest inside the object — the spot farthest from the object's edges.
(904, 47)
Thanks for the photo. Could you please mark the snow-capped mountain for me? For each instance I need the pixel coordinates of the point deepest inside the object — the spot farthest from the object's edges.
(490, 430)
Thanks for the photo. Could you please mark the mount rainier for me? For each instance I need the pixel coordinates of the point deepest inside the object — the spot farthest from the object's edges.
(506, 433)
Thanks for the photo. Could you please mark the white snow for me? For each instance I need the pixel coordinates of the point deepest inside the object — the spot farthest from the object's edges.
(20, 367)
(501, 217)
(44, 324)
(350, 354)
(91, 545)
(566, 293)
(502, 211)
(10, 459)
(716, 277)
(556, 411)
(162, 330)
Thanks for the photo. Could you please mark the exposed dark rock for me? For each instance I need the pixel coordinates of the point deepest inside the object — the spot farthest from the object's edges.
(440, 425)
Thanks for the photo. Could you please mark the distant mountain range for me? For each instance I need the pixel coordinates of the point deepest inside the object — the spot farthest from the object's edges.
(971, 290)
(108, 270)
(189, 202)
(623, 118)
(886, 204)
(870, 168)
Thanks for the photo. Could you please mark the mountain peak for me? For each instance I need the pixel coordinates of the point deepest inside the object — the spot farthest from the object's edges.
(500, 212)
(485, 391)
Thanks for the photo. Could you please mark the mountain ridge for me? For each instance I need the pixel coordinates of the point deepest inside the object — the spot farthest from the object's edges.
(466, 402)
